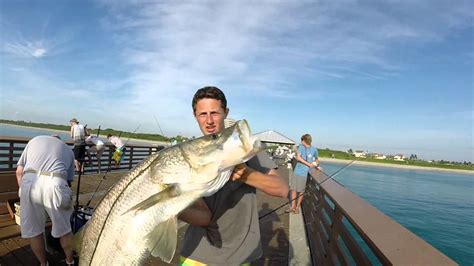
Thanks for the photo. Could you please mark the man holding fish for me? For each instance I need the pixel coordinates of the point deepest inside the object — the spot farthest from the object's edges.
(138, 215)
(224, 227)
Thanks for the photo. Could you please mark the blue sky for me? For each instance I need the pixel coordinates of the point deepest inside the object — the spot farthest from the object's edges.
(391, 77)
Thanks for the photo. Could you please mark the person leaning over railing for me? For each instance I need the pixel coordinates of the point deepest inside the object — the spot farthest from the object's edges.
(96, 149)
(306, 157)
(119, 152)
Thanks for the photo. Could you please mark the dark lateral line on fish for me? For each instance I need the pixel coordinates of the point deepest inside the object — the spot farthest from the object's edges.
(186, 158)
(141, 171)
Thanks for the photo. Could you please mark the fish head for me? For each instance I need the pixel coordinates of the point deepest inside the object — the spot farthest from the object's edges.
(208, 156)
(238, 144)
(232, 146)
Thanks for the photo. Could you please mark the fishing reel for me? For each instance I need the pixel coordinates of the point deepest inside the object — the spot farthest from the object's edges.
(80, 216)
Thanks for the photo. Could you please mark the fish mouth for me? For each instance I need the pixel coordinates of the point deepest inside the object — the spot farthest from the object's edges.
(250, 143)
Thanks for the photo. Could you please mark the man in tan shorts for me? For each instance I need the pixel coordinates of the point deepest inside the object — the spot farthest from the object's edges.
(43, 170)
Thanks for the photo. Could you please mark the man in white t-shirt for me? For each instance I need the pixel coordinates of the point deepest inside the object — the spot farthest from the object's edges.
(78, 135)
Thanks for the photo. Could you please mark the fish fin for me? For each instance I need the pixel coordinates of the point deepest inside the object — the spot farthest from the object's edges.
(163, 240)
(166, 193)
(202, 173)
(78, 238)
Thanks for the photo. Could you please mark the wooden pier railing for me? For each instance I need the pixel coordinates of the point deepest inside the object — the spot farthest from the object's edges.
(10, 152)
(11, 149)
(343, 229)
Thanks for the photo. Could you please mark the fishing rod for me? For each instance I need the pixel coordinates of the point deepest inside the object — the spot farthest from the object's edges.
(307, 191)
(108, 170)
(77, 190)
(97, 188)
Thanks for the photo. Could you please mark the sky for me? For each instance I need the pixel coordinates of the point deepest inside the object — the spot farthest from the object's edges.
(393, 77)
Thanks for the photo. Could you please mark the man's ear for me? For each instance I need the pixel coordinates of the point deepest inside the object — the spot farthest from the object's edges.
(226, 112)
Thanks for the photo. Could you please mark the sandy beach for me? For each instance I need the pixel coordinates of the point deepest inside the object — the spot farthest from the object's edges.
(341, 161)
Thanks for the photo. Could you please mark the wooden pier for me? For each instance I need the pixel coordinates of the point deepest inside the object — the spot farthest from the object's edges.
(339, 227)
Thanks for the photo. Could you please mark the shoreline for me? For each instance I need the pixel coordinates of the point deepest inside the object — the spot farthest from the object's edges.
(38, 128)
(323, 159)
(388, 165)
(140, 141)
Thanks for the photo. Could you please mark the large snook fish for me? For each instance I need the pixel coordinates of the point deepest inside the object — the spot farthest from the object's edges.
(137, 217)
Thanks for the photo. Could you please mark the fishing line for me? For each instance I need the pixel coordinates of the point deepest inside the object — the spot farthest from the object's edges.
(103, 177)
(97, 188)
(161, 131)
(158, 124)
(125, 144)
(311, 190)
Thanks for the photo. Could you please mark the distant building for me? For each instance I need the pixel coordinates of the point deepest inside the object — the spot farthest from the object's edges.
(360, 154)
(399, 157)
(380, 156)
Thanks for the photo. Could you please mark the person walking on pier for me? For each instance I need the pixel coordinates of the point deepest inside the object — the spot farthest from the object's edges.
(78, 135)
(306, 157)
(43, 171)
(224, 227)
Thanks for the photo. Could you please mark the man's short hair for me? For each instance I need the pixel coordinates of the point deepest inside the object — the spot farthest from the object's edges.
(109, 135)
(209, 92)
(307, 138)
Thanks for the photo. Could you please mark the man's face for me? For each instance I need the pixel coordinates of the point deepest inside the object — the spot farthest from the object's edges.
(210, 116)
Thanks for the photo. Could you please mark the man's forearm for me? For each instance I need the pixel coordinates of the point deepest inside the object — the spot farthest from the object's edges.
(303, 161)
(197, 214)
(19, 174)
(270, 183)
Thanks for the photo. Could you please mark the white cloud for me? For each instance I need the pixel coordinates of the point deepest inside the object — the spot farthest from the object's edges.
(39, 52)
(255, 49)
(24, 49)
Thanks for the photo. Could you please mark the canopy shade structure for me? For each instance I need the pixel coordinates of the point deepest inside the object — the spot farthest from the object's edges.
(271, 136)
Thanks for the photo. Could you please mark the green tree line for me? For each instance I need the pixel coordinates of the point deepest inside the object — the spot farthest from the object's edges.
(413, 160)
(92, 131)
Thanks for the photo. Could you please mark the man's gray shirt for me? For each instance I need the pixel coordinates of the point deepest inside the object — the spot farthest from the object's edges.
(48, 154)
(233, 237)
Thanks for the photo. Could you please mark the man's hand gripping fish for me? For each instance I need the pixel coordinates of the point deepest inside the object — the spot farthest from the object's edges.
(137, 217)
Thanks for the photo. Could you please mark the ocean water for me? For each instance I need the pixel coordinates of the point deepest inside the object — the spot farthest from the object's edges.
(436, 206)
(15, 131)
